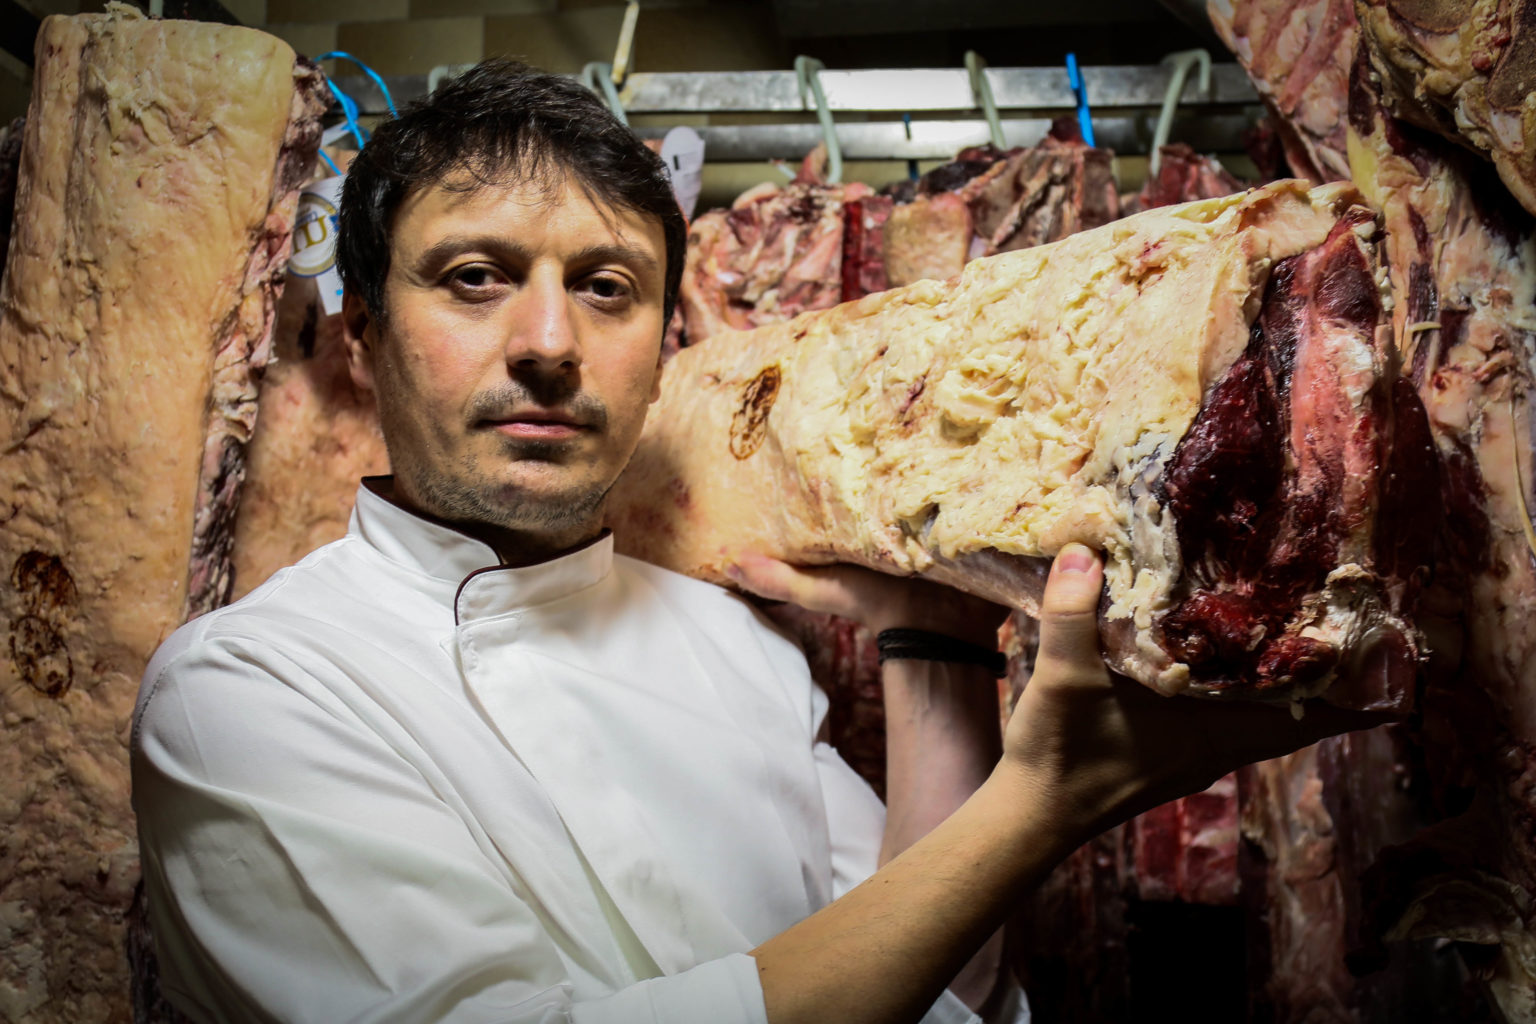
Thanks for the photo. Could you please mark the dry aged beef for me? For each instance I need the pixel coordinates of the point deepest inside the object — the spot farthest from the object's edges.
(775, 253)
(1183, 175)
(317, 434)
(778, 243)
(1201, 391)
(1465, 69)
(1463, 256)
(988, 201)
(157, 190)
(1298, 53)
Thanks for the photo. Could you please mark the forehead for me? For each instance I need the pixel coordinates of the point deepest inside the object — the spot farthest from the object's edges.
(543, 211)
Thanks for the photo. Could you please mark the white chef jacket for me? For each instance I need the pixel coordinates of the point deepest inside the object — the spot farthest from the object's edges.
(400, 783)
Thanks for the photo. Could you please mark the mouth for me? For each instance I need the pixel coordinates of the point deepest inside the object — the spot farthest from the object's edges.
(539, 425)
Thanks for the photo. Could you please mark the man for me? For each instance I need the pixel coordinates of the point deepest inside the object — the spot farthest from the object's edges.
(465, 764)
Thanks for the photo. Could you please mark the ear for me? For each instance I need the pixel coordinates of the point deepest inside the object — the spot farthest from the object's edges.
(361, 332)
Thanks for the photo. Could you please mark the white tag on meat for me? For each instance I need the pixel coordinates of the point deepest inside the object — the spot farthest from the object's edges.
(683, 152)
(314, 239)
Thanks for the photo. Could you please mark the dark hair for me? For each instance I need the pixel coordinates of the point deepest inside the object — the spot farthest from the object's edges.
(501, 120)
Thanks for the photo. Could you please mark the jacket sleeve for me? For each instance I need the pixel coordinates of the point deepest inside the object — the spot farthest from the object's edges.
(299, 869)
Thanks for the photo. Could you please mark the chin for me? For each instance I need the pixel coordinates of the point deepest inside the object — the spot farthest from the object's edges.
(525, 507)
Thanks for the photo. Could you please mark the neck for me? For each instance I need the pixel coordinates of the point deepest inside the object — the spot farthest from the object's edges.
(514, 547)
(529, 547)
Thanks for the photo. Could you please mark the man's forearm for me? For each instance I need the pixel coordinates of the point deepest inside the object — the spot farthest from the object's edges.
(885, 951)
(943, 738)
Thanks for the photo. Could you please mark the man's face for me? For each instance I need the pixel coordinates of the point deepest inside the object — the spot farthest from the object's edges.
(521, 349)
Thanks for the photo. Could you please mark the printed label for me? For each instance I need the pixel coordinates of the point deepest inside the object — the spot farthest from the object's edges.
(314, 239)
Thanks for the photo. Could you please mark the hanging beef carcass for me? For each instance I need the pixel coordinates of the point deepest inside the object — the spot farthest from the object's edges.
(1464, 265)
(1464, 277)
(1183, 175)
(1298, 53)
(317, 435)
(159, 175)
(1149, 388)
(1465, 69)
(775, 253)
(988, 201)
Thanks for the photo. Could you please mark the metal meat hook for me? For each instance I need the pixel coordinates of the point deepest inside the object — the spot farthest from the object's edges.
(808, 74)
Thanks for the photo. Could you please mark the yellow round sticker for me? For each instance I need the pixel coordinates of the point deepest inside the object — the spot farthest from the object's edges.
(314, 236)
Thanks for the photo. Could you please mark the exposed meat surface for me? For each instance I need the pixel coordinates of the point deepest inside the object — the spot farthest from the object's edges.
(1465, 69)
(1278, 482)
(776, 253)
(864, 264)
(245, 346)
(1298, 53)
(317, 435)
(1183, 175)
(894, 418)
(1463, 253)
(155, 196)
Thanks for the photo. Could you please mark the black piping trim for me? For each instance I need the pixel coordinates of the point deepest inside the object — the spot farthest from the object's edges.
(503, 568)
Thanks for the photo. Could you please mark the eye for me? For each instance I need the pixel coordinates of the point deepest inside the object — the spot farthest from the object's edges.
(608, 290)
(475, 281)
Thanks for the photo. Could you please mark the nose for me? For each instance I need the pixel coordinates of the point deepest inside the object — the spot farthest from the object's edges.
(543, 333)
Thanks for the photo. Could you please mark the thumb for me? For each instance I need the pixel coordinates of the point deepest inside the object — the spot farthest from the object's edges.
(1069, 611)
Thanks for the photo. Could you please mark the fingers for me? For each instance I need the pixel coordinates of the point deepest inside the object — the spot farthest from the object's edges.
(834, 590)
(763, 576)
(1321, 720)
(1069, 626)
(1244, 732)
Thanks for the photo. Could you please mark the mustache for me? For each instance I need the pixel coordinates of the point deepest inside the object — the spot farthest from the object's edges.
(512, 397)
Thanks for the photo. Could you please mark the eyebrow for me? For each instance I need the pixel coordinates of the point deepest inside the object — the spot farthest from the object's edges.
(433, 258)
(436, 256)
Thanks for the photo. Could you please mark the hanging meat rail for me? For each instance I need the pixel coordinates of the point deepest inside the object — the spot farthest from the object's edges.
(868, 106)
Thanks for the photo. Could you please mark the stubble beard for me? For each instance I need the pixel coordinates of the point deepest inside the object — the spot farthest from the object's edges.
(469, 492)
(469, 497)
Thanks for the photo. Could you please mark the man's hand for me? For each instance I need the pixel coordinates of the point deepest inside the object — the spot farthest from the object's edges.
(873, 599)
(1083, 750)
(1113, 748)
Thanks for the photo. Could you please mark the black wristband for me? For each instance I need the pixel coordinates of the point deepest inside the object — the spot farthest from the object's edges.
(921, 645)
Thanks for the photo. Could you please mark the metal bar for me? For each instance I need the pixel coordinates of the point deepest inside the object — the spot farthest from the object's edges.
(894, 91)
(919, 89)
(940, 140)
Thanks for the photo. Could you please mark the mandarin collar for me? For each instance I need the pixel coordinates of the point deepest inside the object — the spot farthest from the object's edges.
(484, 586)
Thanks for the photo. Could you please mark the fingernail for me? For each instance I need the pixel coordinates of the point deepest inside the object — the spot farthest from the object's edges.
(1075, 558)
(733, 571)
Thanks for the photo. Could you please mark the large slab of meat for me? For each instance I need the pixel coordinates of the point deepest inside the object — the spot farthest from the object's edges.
(317, 435)
(1200, 391)
(988, 201)
(1465, 69)
(156, 196)
(1298, 53)
(775, 253)
(1183, 175)
(1462, 255)
(1464, 261)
